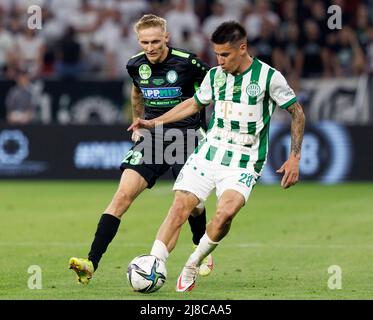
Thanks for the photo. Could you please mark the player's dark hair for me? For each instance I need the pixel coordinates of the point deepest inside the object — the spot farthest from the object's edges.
(229, 32)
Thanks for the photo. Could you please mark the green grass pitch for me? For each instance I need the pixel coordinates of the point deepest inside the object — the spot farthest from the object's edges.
(280, 246)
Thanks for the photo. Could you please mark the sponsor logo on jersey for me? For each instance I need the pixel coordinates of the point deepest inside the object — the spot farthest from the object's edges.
(172, 76)
(145, 72)
(220, 79)
(253, 89)
(236, 89)
(158, 82)
(288, 92)
(161, 93)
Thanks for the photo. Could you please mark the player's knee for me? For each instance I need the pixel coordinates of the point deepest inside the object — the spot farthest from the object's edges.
(179, 211)
(123, 200)
(224, 216)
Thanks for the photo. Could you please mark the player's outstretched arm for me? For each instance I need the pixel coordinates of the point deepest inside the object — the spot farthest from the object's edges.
(137, 102)
(290, 168)
(181, 111)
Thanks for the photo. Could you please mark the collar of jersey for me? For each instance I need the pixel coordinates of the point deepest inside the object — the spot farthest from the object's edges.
(252, 66)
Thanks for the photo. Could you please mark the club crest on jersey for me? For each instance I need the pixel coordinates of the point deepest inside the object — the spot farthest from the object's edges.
(220, 79)
(145, 72)
(253, 89)
(171, 76)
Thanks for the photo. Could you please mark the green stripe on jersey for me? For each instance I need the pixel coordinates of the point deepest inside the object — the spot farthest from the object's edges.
(212, 120)
(227, 158)
(220, 123)
(235, 125)
(237, 90)
(138, 54)
(212, 77)
(180, 53)
(255, 73)
(244, 160)
(263, 139)
(211, 153)
(196, 86)
(200, 144)
(222, 91)
(251, 128)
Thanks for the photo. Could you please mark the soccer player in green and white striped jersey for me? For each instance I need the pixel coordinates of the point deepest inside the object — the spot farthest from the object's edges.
(245, 92)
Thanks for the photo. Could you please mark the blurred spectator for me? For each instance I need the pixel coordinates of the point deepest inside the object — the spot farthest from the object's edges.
(69, 63)
(348, 57)
(29, 51)
(265, 46)
(362, 24)
(236, 8)
(179, 19)
(262, 13)
(85, 22)
(62, 10)
(293, 35)
(19, 101)
(314, 58)
(193, 42)
(131, 10)
(217, 17)
(119, 44)
(290, 52)
(369, 50)
(6, 45)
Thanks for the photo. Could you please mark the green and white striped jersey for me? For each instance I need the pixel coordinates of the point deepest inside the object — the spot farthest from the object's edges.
(243, 104)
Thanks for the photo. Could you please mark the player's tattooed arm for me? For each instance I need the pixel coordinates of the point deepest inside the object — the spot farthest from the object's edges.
(297, 128)
(137, 101)
(290, 168)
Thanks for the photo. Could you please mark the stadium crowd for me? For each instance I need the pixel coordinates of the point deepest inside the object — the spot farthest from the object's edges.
(95, 38)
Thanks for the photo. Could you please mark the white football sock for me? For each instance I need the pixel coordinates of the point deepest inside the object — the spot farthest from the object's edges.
(205, 247)
(159, 250)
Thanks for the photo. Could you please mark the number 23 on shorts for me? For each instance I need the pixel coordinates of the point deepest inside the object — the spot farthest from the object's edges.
(132, 157)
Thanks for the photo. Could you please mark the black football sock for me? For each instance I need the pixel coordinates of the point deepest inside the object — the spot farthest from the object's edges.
(198, 226)
(106, 231)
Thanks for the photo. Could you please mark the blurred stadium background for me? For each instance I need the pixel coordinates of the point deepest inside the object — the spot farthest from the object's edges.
(64, 110)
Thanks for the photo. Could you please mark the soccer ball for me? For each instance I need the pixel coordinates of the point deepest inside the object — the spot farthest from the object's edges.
(146, 273)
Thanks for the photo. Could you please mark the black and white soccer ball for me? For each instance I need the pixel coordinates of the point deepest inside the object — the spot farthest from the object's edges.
(146, 273)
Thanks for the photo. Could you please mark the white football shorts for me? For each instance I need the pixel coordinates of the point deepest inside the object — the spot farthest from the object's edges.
(200, 177)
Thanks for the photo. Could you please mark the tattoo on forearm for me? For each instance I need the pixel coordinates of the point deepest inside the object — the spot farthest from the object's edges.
(137, 101)
(297, 127)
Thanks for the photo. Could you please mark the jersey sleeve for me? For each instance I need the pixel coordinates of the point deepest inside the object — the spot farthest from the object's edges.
(198, 70)
(203, 95)
(281, 92)
(131, 71)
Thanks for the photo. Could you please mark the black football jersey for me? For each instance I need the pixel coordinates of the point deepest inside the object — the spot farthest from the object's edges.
(166, 84)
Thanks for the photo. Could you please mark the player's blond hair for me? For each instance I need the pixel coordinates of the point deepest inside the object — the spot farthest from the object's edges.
(150, 21)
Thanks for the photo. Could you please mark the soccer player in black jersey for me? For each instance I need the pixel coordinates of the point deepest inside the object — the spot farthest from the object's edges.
(162, 77)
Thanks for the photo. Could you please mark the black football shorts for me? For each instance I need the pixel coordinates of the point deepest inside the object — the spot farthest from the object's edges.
(152, 156)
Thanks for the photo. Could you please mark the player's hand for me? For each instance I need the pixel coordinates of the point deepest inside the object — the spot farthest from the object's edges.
(290, 169)
(141, 124)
